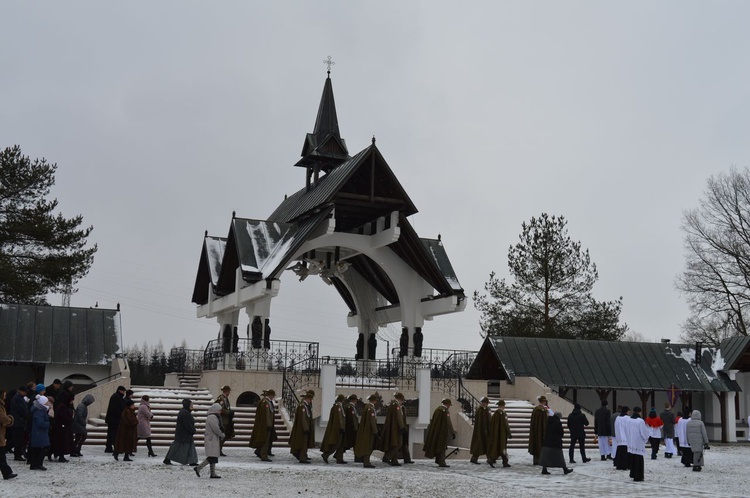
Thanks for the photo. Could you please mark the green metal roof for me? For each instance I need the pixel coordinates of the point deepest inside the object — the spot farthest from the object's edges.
(55, 334)
(608, 365)
(735, 353)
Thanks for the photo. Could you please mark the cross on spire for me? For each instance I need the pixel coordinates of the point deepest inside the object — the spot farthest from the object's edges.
(329, 62)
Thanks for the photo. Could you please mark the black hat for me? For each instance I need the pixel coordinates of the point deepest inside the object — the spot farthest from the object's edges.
(129, 402)
(604, 403)
(637, 409)
(121, 388)
(57, 381)
(576, 406)
(22, 388)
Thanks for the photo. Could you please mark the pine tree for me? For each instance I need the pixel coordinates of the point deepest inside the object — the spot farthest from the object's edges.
(551, 292)
(40, 251)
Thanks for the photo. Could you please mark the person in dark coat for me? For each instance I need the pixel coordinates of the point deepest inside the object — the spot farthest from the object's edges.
(264, 433)
(39, 437)
(53, 390)
(5, 422)
(439, 433)
(367, 433)
(552, 446)
(668, 418)
(127, 433)
(112, 418)
(603, 430)
(333, 438)
(62, 427)
(302, 436)
(182, 449)
(80, 419)
(19, 410)
(352, 422)
(480, 437)
(499, 435)
(577, 420)
(393, 430)
(537, 427)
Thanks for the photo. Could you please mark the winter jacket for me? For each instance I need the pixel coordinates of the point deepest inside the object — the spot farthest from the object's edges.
(19, 410)
(576, 423)
(553, 436)
(62, 426)
(214, 432)
(668, 417)
(602, 422)
(144, 419)
(695, 432)
(81, 416)
(125, 440)
(5, 421)
(40, 424)
(185, 428)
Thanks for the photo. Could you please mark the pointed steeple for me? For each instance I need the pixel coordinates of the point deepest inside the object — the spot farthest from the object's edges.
(324, 149)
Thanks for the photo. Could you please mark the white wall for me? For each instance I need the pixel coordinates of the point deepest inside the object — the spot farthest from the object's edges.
(59, 371)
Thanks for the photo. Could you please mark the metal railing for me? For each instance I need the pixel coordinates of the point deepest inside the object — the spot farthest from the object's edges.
(457, 360)
(183, 360)
(298, 375)
(279, 356)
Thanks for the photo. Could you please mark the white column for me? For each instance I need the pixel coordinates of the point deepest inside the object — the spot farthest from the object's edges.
(328, 396)
(731, 420)
(424, 388)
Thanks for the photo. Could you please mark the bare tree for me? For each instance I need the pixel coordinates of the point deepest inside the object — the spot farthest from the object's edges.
(716, 278)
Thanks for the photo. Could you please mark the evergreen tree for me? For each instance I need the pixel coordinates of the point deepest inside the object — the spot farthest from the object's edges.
(40, 251)
(551, 292)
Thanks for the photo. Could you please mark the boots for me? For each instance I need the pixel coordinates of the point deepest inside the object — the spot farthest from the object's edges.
(570, 453)
(198, 468)
(567, 470)
(213, 472)
(545, 471)
(127, 458)
(474, 460)
(583, 455)
(150, 448)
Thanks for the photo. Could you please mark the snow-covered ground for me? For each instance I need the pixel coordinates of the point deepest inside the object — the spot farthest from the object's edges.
(96, 474)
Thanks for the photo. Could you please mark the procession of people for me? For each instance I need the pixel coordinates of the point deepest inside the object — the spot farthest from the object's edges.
(37, 427)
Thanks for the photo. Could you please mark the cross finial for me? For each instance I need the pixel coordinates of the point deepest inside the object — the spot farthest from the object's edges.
(329, 62)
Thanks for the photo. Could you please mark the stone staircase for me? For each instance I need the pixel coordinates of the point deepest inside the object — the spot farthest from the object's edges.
(519, 418)
(167, 401)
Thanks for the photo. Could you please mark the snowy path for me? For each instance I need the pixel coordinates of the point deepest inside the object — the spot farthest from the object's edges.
(97, 474)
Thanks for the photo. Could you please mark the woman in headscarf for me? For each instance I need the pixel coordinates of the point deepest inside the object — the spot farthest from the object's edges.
(212, 440)
(182, 449)
(552, 445)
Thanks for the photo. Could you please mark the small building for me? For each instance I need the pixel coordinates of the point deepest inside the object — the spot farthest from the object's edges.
(712, 380)
(43, 343)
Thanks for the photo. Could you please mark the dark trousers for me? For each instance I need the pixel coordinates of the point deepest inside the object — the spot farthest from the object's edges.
(36, 456)
(687, 456)
(622, 460)
(581, 441)
(654, 445)
(78, 440)
(636, 467)
(4, 467)
(17, 440)
(112, 434)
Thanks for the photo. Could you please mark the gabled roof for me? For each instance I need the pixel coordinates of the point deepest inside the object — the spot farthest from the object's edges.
(331, 184)
(55, 334)
(603, 364)
(209, 267)
(261, 249)
(736, 353)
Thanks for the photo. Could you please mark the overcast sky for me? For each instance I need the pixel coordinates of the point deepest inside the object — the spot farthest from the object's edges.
(164, 117)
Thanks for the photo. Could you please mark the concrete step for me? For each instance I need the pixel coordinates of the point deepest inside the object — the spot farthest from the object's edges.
(165, 404)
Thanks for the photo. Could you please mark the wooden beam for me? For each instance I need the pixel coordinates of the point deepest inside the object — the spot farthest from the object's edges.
(367, 198)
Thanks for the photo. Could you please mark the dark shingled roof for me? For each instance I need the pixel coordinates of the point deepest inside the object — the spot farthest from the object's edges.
(54, 334)
(736, 353)
(600, 364)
